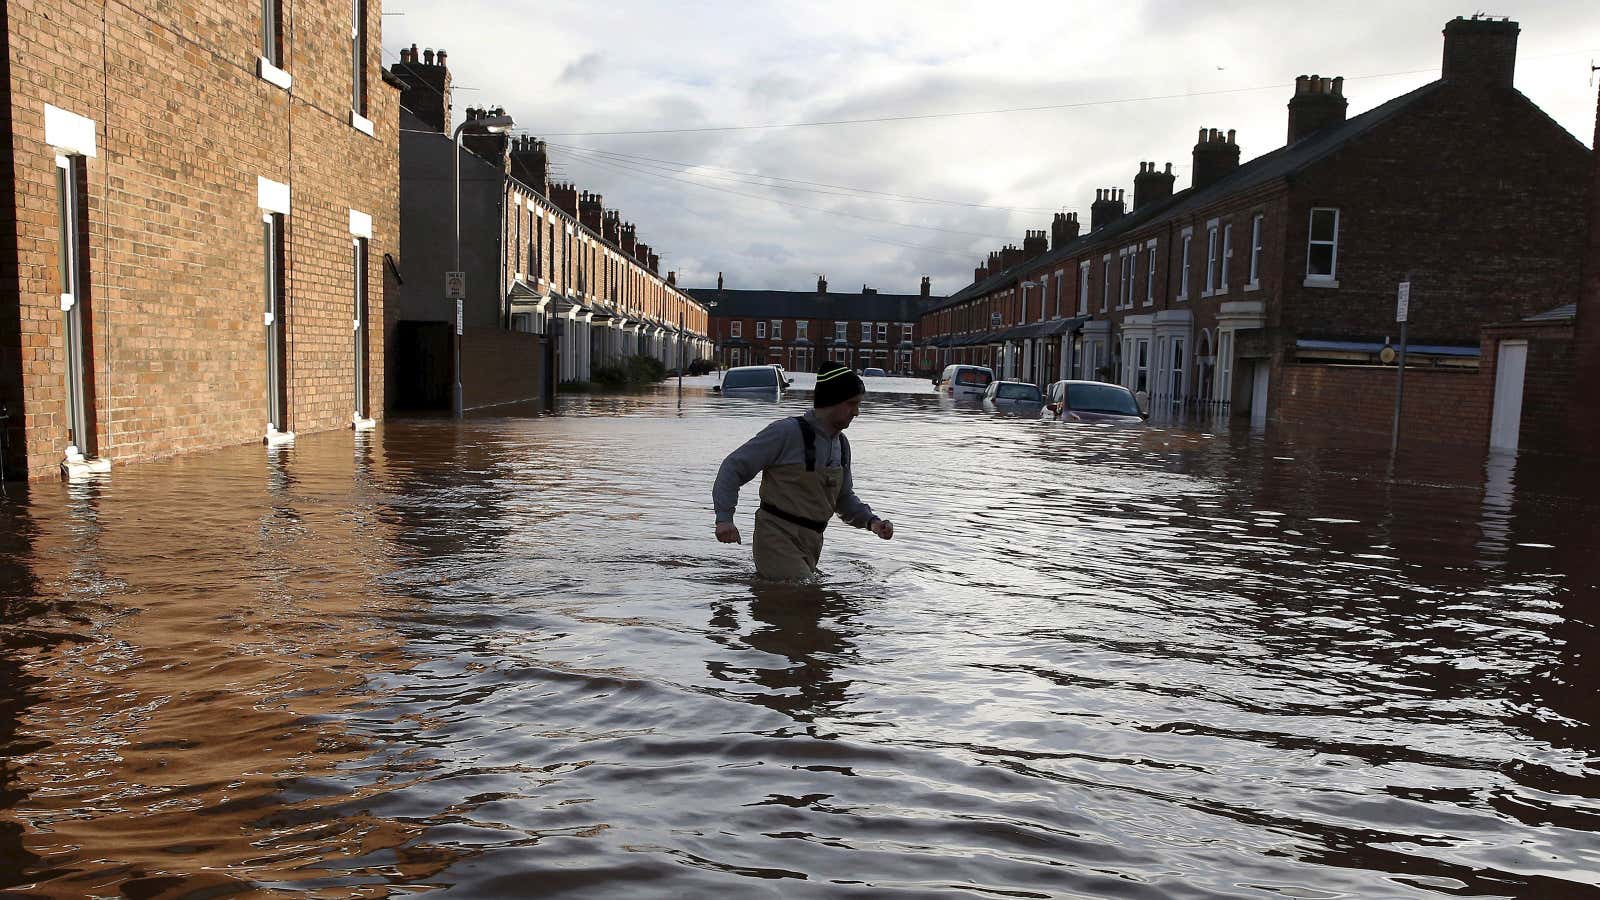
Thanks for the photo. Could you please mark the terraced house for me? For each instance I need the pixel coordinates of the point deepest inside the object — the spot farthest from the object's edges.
(555, 284)
(198, 210)
(799, 329)
(1268, 288)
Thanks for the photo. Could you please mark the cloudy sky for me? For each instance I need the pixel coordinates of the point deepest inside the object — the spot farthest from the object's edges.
(928, 192)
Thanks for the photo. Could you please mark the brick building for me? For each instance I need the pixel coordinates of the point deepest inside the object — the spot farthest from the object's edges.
(799, 329)
(556, 283)
(1243, 290)
(200, 207)
(1585, 422)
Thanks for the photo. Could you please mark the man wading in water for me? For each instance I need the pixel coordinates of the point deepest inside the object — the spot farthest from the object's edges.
(805, 480)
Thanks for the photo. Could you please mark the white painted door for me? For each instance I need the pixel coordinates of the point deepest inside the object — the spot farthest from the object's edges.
(1258, 396)
(1510, 370)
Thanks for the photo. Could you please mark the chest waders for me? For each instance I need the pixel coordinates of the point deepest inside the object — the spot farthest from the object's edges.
(796, 503)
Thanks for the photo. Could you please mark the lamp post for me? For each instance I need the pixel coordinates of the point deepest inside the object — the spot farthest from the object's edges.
(1023, 319)
(495, 124)
(716, 339)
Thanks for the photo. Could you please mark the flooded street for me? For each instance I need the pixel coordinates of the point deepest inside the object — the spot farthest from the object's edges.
(508, 658)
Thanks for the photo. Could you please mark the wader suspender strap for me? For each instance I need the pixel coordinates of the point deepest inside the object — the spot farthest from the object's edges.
(808, 436)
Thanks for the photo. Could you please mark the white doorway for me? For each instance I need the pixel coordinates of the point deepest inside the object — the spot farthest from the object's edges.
(1510, 370)
(1258, 395)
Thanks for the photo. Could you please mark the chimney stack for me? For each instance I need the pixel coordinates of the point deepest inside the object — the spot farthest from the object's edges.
(927, 286)
(822, 284)
(427, 87)
(979, 273)
(1152, 186)
(1317, 104)
(591, 212)
(672, 278)
(1063, 229)
(655, 263)
(630, 239)
(1215, 155)
(530, 164)
(719, 281)
(1034, 243)
(1480, 51)
(1010, 255)
(1108, 207)
(611, 228)
(641, 254)
(865, 291)
(493, 148)
(565, 197)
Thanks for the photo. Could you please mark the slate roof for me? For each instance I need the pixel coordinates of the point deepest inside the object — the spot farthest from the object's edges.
(1280, 163)
(812, 305)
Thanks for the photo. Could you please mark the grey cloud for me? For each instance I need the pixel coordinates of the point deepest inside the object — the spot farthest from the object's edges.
(582, 70)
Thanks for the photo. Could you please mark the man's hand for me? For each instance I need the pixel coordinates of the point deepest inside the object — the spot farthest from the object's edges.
(883, 528)
(728, 533)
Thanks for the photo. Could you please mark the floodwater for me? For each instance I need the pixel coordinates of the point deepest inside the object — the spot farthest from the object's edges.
(507, 658)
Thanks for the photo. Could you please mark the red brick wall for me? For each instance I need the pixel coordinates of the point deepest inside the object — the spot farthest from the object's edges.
(1356, 403)
(1547, 388)
(500, 367)
(184, 128)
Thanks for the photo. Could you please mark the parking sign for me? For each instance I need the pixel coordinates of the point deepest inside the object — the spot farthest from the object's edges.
(1402, 309)
(455, 285)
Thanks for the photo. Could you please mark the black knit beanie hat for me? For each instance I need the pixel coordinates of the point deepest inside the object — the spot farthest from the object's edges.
(837, 383)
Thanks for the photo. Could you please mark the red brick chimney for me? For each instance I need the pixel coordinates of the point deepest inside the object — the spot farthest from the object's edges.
(530, 164)
(655, 262)
(611, 228)
(565, 197)
(1010, 255)
(591, 212)
(1215, 155)
(672, 278)
(1480, 51)
(1586, 425)
(1108, 207)
(1317, 103)
(494, 148)
(1034, 243)
(427, 86)
(629, 238)
(1151, 186)
(979, 273)
(822, 284)
(1063, 229)
(927, 286)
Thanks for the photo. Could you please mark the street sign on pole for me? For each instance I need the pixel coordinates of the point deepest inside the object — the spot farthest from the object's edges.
(455, 285)
(1402, 309)
(458, 318)
(1402, 312)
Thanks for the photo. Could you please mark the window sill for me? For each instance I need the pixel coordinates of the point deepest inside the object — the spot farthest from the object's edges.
(1320, 281)
(272, 74)
(361, 123)
(1181, 298)
(1252, 286)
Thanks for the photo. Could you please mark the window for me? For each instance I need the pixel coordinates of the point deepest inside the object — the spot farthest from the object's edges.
(1183, 277)
(883, 332)
(358, 57)
(841, 331)
(1141, 371)
(1175, 384)
(802, 329)
(516, 245)
(1060, 277)
(1222, 262)
(1212, 246)
(866, 332)
(1083, 289)
(1322, 251)
(70, 257)
(777, 329)
(270, 10)
(736, 328)
(1255, 251)
(907, 332)
(1150, 275)
(1105, 282)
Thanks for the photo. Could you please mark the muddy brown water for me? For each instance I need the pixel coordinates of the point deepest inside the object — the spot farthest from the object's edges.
(506, 658)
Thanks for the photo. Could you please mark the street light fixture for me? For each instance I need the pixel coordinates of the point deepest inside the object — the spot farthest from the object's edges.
(1023, 320)
(499, 123)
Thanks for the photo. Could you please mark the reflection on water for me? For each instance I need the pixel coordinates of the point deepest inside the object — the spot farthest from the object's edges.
(506, 657)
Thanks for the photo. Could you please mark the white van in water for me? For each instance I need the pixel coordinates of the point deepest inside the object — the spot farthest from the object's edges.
(963, 382)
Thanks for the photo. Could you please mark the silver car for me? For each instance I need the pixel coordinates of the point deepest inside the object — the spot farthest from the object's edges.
(1019, 396)
(766, 381)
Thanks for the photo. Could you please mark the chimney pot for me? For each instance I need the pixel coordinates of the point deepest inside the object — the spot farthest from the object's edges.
(427, 56)
(441, 57)
(1214, 158)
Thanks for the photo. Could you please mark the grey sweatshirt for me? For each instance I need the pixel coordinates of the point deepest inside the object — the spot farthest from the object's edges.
(780, 444)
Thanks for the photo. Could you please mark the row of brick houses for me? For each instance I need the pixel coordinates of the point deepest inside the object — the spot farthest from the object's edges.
(203, 241)
(551, 273)
(1268, 288)
(800, 329)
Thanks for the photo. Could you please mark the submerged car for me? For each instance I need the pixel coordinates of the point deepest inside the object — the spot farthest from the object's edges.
(874, 373)
(1093, 401)
(753, 380)
(963, 382)
(1013, 394)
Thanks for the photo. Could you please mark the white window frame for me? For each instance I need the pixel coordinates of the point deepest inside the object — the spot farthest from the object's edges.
(883, 332)
(270, 62)
(866, 332)
(1186, 245)
(1213, 246)
(1083, 288)
(1226, 256)
(907, 331)
(1256, 223)
(1105, 286)
(777, 329)
(1332, 278)
(1061, 277)
(761, 329)
(1150, 272)
(841, 331)
(736, 329)
(802, 329)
